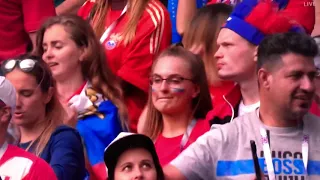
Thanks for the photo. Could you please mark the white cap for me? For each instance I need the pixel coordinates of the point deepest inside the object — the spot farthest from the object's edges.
(7, 92)
(124, 141)
(120, 136)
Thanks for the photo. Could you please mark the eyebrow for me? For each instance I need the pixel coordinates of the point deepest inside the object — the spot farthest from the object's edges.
(53, 42)
(155, 74)
(125, 164)
(146, 161)
(21, 90)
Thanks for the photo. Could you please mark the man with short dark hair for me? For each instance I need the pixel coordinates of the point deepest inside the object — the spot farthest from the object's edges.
(15, 163)
(286, 135)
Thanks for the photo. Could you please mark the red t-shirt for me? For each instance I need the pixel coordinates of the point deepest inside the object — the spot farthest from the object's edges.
(18, 18)
(314, 109)
(217, 92)
(133, 62)
(15, 163)
(169, 148)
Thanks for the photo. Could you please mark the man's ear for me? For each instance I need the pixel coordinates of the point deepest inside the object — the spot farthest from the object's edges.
(255, 54)
(196, 91)
(49, 95)
(264, 78)
(83, 53)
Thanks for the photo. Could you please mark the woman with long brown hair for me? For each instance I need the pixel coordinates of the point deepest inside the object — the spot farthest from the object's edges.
(201, 38)
(39, 116)
(132, 32)
(178, 102)
(84, 82)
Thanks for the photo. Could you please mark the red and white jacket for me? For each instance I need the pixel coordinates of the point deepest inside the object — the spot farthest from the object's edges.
(18, 164)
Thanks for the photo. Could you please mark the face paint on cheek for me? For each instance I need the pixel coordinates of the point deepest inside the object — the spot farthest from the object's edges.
(153, 90)
(178, 90)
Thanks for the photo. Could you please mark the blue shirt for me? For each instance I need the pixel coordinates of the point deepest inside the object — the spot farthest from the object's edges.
(64, 153)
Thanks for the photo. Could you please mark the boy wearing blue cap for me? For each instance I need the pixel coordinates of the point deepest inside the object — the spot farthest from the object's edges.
(236, 57)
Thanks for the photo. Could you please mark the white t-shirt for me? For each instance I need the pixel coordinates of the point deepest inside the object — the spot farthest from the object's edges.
(243, 109)
(224, 152)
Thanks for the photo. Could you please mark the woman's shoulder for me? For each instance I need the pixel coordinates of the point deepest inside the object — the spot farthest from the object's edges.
(156, 13)
(65, 133)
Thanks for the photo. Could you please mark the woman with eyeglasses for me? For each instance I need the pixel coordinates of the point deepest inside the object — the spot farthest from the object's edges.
(178, 102)
(84, 82)
(39, 116)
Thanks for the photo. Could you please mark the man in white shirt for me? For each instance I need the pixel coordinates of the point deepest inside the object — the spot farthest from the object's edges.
(287, 136)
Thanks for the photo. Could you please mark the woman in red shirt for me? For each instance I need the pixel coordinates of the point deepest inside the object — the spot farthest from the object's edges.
(132, 32)
(178, 102)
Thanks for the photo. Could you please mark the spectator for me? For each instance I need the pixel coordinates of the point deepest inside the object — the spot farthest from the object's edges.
(132, 156)
(19, 22)
(16, 163)
(177, 107)
(39, 116)
(69, 43)
(315, 108)
(236, 56)
(186, 9)
(131, 40)
(201, 38)
(286, 75)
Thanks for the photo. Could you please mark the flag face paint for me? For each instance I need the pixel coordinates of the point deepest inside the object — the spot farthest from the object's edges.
(178, 90)
(153, 90)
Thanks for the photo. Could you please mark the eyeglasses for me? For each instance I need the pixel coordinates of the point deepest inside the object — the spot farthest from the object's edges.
(26, 65)
(172, 81)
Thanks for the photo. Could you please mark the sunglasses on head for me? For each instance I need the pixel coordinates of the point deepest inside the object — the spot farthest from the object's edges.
(26, 65)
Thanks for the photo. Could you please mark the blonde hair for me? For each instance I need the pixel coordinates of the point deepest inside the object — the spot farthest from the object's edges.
(200, 104)
(100, 10)
(203, 31)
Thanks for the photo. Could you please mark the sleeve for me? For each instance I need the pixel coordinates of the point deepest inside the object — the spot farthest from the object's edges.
(141, 52)
(301, 11)
(85, 9)
(67, 156)
(199, 159)
(41, 170)
(35, 12)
